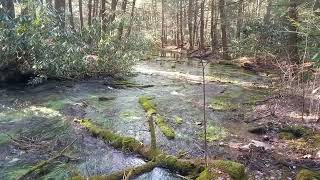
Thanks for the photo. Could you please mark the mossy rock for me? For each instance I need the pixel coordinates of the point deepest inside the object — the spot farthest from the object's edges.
(234, 169)
(305, 174)
(165, 127)
(147, 104)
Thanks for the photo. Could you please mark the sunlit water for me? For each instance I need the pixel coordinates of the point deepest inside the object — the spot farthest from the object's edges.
(46, 113)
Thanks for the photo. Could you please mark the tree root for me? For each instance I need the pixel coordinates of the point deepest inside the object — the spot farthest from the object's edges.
(42, 164)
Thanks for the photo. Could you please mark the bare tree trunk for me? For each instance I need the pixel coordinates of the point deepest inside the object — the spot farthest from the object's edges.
(195, 23)
(213, 31)
(239, 19)
(71, 14)
(124, 9)
(103, 16)
(113, 11)
(202, 43)
(177, 35)
(59, 5)
(181, 25)
(163, 33)
(223, 23)
(131, 18)
(292, 34)
(89, 12)
(190, 25)
(81, 14)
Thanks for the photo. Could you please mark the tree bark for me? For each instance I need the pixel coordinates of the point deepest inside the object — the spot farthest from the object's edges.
(195, 23)
(239, 19)
(162, 24)
(81, 14)
(121, 25)
(103, 16)
(202, 43)
(213, 31)
(190, 25)
(113, 11)
(89, 12)
(292, 34)
(223, 23)
(181, 25)
(71, 14)
(131, 18)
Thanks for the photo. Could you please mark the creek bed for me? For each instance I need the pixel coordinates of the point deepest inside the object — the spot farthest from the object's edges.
(46, 114)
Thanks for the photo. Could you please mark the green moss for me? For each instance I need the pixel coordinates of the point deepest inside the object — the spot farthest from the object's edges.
(175, 164)
(222, 103)
(308, 175)
(165, 128)
(294, 132)
(147, 104)
(215, 133)
(316, 140)
(117, 141)
(178, 120)
(207, 175)
(234, 169)
(286, 136)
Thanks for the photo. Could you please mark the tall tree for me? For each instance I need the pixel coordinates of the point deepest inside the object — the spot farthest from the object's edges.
(89, 12)
(71, 14)
(103, 16)
(223, 22)
(163, 33)
(112, 15)
(195, 21)
(190, 25)
(267, 16)
(213, 31)
(59, 5)
(181, 24)
(239, 19)
(293, 34)
(202, 43)
(121, 25)
(81, 14)
(131, 18)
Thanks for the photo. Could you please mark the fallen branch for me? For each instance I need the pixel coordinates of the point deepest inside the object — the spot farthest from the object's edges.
(44, 163)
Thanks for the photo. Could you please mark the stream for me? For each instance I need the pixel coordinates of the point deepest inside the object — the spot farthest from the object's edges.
(37, 122)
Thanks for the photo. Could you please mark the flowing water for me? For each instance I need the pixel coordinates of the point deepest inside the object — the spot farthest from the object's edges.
(37, 122)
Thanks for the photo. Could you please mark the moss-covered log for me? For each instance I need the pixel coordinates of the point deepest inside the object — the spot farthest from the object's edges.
(149, 106)
(126, 174)
(164, 127)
